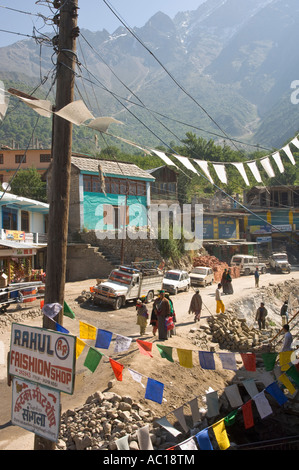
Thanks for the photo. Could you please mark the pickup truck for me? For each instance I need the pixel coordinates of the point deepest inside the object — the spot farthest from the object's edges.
(280, 263)
(127, 283)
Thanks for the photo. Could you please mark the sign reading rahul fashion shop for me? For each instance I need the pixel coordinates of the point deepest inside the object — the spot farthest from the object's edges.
(43, 356)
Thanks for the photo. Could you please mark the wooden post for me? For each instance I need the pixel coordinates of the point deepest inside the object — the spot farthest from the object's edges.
(61, 170)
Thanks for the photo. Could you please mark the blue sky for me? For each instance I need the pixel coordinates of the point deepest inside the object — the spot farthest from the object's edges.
(93, 14)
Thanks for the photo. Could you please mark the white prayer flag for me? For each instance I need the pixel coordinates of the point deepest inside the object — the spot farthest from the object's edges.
(136, 376)
(233, 395)
(164, 157)
(262, 405)
(242, 172)
(205, 168)
(42, 107)
(277, 159)
(295, 141)
(123, 443)
(101, 124)
(186, 162)
(220, 171)
(213, 404)
(168, 426)
(144, 439)
(75, 112)
(179, 414)
(122, 343)
(194, 410)
(255, 171)
(288, 152)
(265, 162)
(189, 445)
(250, 387)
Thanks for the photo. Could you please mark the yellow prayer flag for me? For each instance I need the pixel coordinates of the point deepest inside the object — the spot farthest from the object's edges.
(221, 435)
(87, 331)
(185, 357)
(80, 345)
(287, 383)
(285, 359)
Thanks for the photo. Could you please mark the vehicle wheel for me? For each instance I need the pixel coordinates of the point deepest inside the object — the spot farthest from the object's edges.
(247, 272)
(118, 303)
(149, 296)
(187, 287)
(175, 291)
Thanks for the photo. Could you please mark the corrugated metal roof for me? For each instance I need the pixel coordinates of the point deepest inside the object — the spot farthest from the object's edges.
(110, 167)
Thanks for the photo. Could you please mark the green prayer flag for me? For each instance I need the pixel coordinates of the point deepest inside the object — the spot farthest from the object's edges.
(229, 420)
(165, 352)
(67, 311)
(93, 359)
(269, 360)
(293, 373)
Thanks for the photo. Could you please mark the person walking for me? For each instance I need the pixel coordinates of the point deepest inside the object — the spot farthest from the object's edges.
(229, 283)
(219, 303)
(154, 316)
(284, 313)
(196, 305)
(260, 316)
(256, 277)
(224, 282)
(172, 314)
(163, 311)
(142, 316)
(288, 339)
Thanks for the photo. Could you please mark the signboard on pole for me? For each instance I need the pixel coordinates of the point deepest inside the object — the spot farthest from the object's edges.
(43, 356)
(36, 409)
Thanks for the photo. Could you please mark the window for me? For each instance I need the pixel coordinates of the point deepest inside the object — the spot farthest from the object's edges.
(20, 158)
(45, 157)
(25, 221)
(1, 159)
(9, 219)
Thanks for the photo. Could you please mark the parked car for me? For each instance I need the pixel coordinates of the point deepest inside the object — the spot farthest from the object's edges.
(280, 263)
(175, 281)
(201, 276)
(248, 264)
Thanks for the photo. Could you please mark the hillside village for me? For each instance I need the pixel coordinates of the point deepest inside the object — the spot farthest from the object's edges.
(131, 219)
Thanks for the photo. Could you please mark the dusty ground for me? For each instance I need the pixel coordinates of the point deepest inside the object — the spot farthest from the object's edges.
(181, 384)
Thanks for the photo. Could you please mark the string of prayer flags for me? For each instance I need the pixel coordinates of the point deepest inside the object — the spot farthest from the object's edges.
(103, 339)
(186, 162)
(154, 390)
(165, 352)
(289, 154)
(87, 331)
(67, 311)
(277, 159)
(168, 426)
(144, 440)
(194, 410)
(228, 361)
(80, 345)
(293, 373)
(247, 415)
(179, 414)
(285, 359)
(241, 169)
(185, 357)
(221, 435)
(221, 173)
(212, 404)
(205, 168)
(274, 390)
(136, 376)
(255, 171)
(145, 347)
(117, 369)
(189, 445)
(51, 310)
(287, 383)
(262, 405)
(265, 162)
(203, 440)
(269, 360)
(92, 359)
(233, 395)
(249, 361)
(122, 343)
(206, 359)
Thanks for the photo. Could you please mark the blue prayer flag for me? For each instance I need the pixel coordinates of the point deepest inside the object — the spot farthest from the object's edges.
(61, 328)
(204, 440)
(206, 360)
(154, 390)
(276, 393)
(228, 361)
(103, 339)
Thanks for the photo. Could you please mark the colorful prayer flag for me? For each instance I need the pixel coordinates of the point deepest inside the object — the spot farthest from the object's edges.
(262, 405)
(212, 403)
(154, 390)
(249, 361)
(93, 359)
(67, 311)
(117, 369)
(287, 383)
(221, 435)
(165, 352)
(103, 339)
(233, 395)
(228, 361)
(247, 415)
(269, 360)
(145, 347)
(276, 393)
(87, 331)
(185, 357)
(203, 440)
(179, 414)
(230, 419)
(206, 360)
(80, 345)
(285, 359)
(168, 426)
(293, 373)
(60, 328)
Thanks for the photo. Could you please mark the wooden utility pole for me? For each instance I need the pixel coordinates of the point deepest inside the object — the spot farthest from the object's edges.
(61, 170)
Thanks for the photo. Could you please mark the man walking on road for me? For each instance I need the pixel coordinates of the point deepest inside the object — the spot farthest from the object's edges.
(257, 277)
(260, 316)
(163, 311)
(196, 305)
(219, 303)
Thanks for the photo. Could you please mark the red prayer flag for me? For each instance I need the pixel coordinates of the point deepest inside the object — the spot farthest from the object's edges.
(117, 369)
(145, 347)
(249, 361)
(247, 415)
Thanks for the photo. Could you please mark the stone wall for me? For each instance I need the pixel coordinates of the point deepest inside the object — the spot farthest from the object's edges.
(86, 262)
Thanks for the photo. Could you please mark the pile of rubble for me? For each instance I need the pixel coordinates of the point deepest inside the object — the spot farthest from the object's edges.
(217, 266)
(19, 315)
(105, 418)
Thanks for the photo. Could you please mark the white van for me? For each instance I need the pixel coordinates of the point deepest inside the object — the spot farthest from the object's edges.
(201, 276)
(175, 281)
(248, 264)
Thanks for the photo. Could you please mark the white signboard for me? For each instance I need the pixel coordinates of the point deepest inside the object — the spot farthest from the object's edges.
(36, 409)
(43, 356)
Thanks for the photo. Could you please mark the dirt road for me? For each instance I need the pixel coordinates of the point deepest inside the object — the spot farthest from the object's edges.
(120, 322)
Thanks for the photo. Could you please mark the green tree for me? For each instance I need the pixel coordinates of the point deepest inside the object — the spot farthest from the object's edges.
(28, 183)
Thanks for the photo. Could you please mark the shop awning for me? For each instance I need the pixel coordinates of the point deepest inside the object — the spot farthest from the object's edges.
(18, 249)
